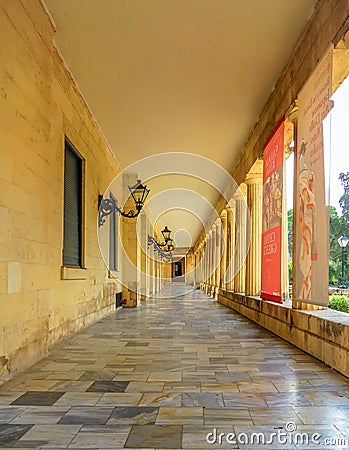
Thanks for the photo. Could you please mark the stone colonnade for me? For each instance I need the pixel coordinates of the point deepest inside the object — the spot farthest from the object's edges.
(229, 256)
(142, 264)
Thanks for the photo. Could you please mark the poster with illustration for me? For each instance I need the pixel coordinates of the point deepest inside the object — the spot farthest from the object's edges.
(311, 212)
(272, 215)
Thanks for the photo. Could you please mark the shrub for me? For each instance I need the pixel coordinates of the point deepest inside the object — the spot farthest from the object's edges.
(339, 302)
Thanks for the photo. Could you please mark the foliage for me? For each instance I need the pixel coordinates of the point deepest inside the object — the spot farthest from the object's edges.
(290, 242)
(344, 200)
(335, 253)
(290, 273)
(339, 225)
(339, 303)
(336, 230)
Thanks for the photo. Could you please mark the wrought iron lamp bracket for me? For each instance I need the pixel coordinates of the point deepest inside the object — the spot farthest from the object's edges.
(107, 206)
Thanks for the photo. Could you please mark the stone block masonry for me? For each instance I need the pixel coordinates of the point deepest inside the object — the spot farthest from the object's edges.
(40, 107)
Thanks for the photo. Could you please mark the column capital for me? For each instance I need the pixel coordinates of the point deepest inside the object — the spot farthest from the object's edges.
(254, 178)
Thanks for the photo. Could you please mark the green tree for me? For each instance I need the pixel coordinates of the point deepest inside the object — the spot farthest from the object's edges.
(344, 202)
(338, 227)
(334, 249)
(290, 242)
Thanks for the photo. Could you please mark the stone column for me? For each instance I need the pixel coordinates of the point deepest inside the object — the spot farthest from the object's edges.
(198, 265)
(240, 238)
(143, 236)
(218, 257)
(230, 238)
(212, 258)
(205, 251)
(225, 243)
(202, 262)
(254, 183)
(206, 255)
(155, 272)
(161, 268)
(131, 260)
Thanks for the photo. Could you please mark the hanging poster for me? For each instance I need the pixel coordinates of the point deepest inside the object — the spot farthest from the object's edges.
(272, 215)
(311, 212)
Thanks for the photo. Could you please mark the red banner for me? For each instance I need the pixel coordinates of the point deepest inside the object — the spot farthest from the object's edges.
(272, 215)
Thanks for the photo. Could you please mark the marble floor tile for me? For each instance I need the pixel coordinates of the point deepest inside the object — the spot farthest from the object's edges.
(119, 399)
(79, 399)
(320, 415)
(182, 386)
(197, 376)
(38, 398)
(145, 386)
(232, 377)
(11, 433)
(202, 399)
(71, 386)
(184, 415)
(102, 439)
(72, 375)
(49, 436)
(9, 397)
(40, 415)
(108, 386)
(59, 367)
(274, 416)
(8, 414)
(165, 376)
(286, 399)
(219, 387)
(243, 400)
(87, 415)
(292, 386)
(161, 399)
(98, 375)
(155, 436)
(223, 416)
(141, 415)
(257, 386)
(35, 385)
(326, 398)
(135, 376)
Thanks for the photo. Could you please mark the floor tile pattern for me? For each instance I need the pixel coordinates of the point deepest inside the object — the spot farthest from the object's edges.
(181, 372)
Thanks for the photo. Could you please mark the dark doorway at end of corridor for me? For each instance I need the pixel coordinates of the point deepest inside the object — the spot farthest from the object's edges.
(178, 268)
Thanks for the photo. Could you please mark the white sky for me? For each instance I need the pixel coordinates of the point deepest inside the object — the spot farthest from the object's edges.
(336, 138)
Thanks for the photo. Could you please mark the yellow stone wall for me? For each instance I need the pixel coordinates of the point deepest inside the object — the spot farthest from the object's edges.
(40, 106)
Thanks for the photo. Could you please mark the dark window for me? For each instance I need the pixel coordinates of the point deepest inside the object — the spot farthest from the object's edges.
(113, 239)
(72, 234)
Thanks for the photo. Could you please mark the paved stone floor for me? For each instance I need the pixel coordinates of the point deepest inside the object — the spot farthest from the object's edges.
(177, 373)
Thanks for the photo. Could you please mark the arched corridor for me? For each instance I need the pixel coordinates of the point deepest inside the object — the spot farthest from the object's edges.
(167, 375)
(165, 280)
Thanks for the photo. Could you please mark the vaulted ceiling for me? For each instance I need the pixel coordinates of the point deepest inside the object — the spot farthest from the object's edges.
(188, 76)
